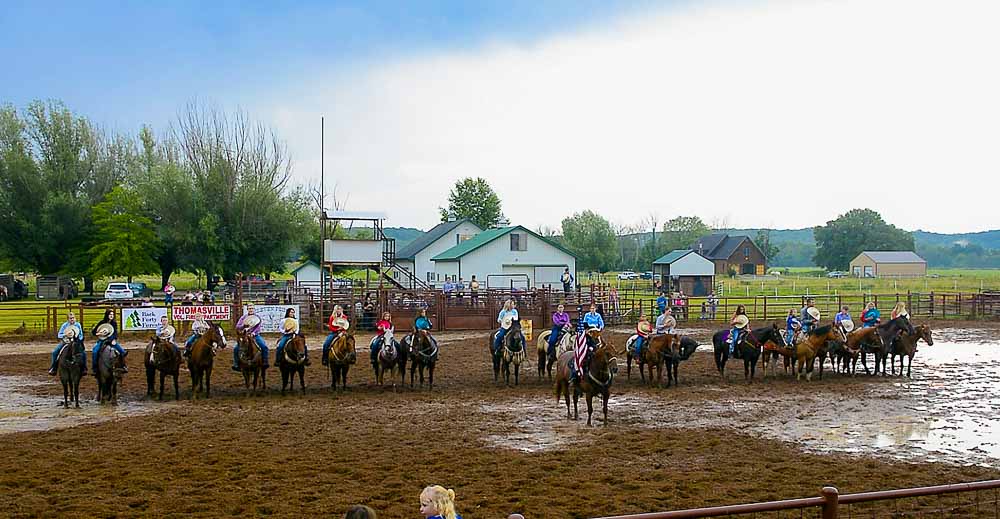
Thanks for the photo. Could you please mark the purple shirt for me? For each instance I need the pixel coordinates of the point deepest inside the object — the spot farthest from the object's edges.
(252, 331)
(560, 319)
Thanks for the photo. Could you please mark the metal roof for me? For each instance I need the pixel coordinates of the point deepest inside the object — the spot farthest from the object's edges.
(672, 256)
(719, 245)
(424, 240)
(488, 236)
(901, 256)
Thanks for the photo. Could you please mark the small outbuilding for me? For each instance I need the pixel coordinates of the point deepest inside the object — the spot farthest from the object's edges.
(888, 264)
(687, 271)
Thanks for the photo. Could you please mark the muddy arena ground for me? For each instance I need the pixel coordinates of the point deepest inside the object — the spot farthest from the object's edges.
(503, 449)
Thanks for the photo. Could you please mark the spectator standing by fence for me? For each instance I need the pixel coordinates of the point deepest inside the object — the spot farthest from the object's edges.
(168, 294)
(567, 282)
(474, 290)
(713, 305)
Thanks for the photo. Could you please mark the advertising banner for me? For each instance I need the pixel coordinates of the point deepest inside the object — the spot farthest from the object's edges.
(271, 316)
(143, 318)
(211, 312)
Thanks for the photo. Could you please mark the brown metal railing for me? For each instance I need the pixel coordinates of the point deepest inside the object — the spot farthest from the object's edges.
(830, 504)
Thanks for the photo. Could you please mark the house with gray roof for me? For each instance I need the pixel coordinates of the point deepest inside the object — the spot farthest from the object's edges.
(738, 254)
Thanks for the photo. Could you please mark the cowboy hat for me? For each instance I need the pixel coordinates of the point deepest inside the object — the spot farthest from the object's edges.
(507, 322)
(741, 321)
(251, 321)
(848, 325)
(289, 325)
(342, 322)
(104, 330)
(813, 311)
(69, 334)
(166, 332)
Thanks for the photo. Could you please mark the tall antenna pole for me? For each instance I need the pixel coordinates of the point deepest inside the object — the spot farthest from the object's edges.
(322, 221)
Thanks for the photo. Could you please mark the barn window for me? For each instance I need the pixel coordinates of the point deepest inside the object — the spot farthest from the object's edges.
(430, 276)
(518, 242)
(746, 252)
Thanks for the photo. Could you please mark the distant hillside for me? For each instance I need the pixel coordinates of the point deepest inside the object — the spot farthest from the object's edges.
(402, 235)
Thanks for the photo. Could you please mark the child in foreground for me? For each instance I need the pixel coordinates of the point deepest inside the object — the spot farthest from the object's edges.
(437, 502)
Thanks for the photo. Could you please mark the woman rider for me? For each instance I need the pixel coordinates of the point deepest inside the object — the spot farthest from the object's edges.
(739, 322)
(421, 322)
(899, 311)
(198, 328)
(254, 332)
(871, 316)
(381, 327)
(508, 312)
(642, 329)
(290, 328)
(77, 334)
(560, 323)
(112, 339)
(337, 324)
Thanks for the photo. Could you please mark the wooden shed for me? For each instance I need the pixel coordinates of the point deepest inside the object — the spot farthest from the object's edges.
(888, 264)
(687, 271)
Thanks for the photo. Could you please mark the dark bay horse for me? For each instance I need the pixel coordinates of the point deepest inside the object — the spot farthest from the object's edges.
(906, 346)
(511, 352)
(424, 352)
(251, 362)
(887, 332)
(685, 348)
(164, 357)
(110, 369)
(597, 380)
(70, 361)
(292, 361)
(749, 348)
(341, 356)
(202, 358)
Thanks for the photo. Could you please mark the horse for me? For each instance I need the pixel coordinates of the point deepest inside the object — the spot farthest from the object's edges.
(807, 350)
(906, 346)
(512, 353)
(162, 356)
(545, 361)
(291, 361)
(70, 361)
(656, 349)
(680, 350)
(425, 354)
(341, 356)
(597, 380)
(749, 348)
(109, 370)
(387, 358)
(887, 332)
(251, 361)
(202, 358)
(772, 351)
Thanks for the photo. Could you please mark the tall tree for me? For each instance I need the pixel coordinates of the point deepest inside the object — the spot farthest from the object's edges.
(841, 240)
(682, 232)
(473, 198)
(125, 243)
(770, 250)
(590, 237)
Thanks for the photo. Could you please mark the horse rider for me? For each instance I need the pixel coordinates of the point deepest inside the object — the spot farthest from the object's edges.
(592, 321)
(665, 322)
(68, 332)
(506, 317)
(166, 333)
(871, 316)
(198, 328)
(337, 325)
(106, 332)
(642, 330)
(809, 316)
(792, 326)
(899, 311)
(383, 326)
(250, 323)
(739, 322)
(422, 322)
(560, 325)
(289, 329)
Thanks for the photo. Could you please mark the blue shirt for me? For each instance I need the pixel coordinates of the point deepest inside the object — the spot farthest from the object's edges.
(593, 320)
(870, 317)
(842, 316)
(790, 322)
(661, 303)
(422, 323)
(65, 325)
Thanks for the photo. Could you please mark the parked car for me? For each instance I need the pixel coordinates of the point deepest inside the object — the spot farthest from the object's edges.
(140, 290)
(646, 275)
(118, 290)
(627, 274)
(836, 274)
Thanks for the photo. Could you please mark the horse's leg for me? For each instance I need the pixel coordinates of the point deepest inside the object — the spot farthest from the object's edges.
(302, 379)
(576, 403)
(150, 380)
(75, 385)
(208, 381)
(590, 407)
(628, 365)
(65, 385)
(604, 397)
(430, 376)
(517, 373)
(163, 376)
(177, 387)
(908, 366)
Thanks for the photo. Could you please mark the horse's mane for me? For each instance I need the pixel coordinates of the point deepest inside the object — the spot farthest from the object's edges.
(822, 330)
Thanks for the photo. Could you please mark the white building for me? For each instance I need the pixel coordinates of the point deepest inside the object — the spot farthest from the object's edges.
(416, 255)
(506, 257)
(687, 271)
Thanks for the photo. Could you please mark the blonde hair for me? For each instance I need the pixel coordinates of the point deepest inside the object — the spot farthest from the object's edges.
(443, 500)
(900, 307)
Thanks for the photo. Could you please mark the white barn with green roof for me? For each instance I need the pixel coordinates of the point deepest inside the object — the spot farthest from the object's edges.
(416, 256)
(506, 257)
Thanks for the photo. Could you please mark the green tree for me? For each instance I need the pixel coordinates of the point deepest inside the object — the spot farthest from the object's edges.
(126, 244)
(841, 240)
(682, 232)
(591, 238)
(763, 241)
(473, 198)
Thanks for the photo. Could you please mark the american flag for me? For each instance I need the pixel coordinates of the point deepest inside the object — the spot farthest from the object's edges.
(580, 351)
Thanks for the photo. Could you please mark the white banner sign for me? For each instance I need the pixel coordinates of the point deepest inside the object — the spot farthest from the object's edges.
(211, 312)
(144, 318)
(271, 316)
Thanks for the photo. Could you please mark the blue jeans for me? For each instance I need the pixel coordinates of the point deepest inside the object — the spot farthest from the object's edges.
(260, 344)
(554, 339)
(734, 336)
(376, 347)
(501, 333)
(97, 349)
(327, 343)
(638, 346)
(789, 336)
(55, 356)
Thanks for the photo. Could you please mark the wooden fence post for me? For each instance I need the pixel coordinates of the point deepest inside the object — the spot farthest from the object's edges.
(831, 505)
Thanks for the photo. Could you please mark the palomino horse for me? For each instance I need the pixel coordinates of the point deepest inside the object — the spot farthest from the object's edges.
(424, 351)
(341, 356)
(906, 346)
(806, 351)
(251, 361)
(109, 369)
(887, 332)
(596, 381)
(749, 348)
(162, 356)
(291, 361)
(202, 358)
(387, 359)
(70, 362)
(545, 361)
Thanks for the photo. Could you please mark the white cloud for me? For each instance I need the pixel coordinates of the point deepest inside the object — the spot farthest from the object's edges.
(775, 113)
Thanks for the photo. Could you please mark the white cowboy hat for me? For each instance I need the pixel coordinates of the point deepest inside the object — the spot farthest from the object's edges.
(507, 322)
(670, 322)
(342, 322)
(741, 321)
(814, 312)
(251, 321)
(104, 330)
(70, 333)
(289, 325)
(167, 332)
(848, 325)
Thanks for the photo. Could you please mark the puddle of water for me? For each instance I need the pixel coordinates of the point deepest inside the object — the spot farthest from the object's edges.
(26, 412)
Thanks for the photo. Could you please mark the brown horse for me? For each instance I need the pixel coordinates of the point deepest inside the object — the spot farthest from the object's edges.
(341, 356)
(251, 361)
(291, 361)
(655, 350)
(70, 362)
(162, 356)
(906, 346)
(597, 380)
(424, 351)
(856, 341)
(807, 350)
(202, 358)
